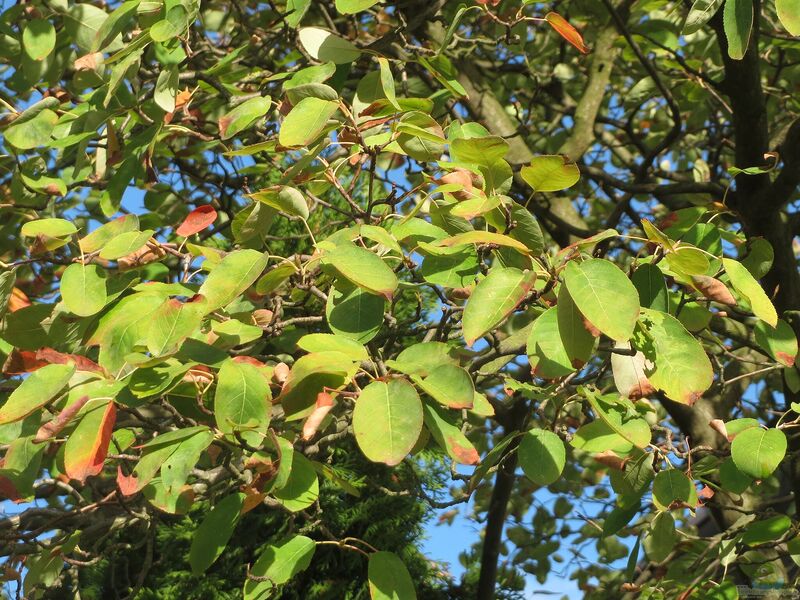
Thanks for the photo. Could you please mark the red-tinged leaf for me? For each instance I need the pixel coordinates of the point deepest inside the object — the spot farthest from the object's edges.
(8, 491)
(567, 31)
(86, 449)
(17, 300)
(713, 289)
(197, 220)
(314, 420)
(248, 360)
(718, 425)
(53, 428)
(464, 455)
(53, 357)
(128, 484)
(22, 361)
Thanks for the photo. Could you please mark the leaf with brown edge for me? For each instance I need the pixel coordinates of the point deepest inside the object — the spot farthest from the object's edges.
(197, 220)
(449, 436)
(324, 405)
(713, 289)
(53, 428)
(566, 31)
(87, 447)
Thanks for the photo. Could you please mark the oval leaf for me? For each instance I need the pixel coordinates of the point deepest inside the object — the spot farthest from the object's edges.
(387, 420)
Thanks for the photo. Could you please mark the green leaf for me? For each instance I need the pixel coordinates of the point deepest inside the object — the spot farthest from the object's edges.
(662, 537)
(326, 342)
(243, 116)
(7, 281)
(542, 456)
(48, 227)
(578, 342)
(387, 420)
(481, 151)
(39, 39)
(302, 488)
(494, 298)
(83, 289)
(680, 367)
(82, 22)
(421, 136)
(354, 313)
(363, 268)
(173, 25)
(545, 347)
(387, 81)
(449, 385)
(388, 578)
(310, 375)
(172, 323)
(699, 14)
(449, 436)
(652, 287)
(671, 486)
(455, 269)
(296, 10)
(421, 359)
(231, 277)
(123, 327)
(275, 277)
(526, 229)
(284, 198)
(114, 24)
(779, 342)
(757, 452)
(278, 563)
(737, 19)
(350, 7)
(789, 15)
(242, 401)
(31, 133)
(125, 244)
(766, 530)
(732, 479)
(747, 286)
(621, 416)
(108, 232)
(605, 296)
(213, 534)
(551, 173)
(39, 388)
(306, 122)
(325, 46)
(166, 88)
(483, 237)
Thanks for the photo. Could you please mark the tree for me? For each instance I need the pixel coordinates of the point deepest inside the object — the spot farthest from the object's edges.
(545, 245)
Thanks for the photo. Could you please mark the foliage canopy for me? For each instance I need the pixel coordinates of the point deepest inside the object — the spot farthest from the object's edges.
(283, 258)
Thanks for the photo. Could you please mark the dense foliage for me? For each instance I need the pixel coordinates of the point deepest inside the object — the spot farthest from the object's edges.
(269, 266)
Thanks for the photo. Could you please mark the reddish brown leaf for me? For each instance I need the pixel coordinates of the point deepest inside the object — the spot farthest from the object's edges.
(91, 461)
(718, 425)
(17, 300)
(705, 493)
(464, 456)
(88, 62)
(54, 427)
(713, 289)
(566, 31)
(50, 356)
(197, 220)
(314, 420)
(611, 460)
(127, 484)
(22, 361)
(281, 373)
